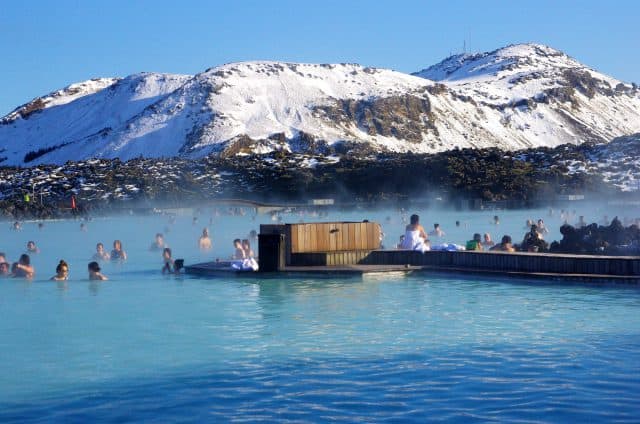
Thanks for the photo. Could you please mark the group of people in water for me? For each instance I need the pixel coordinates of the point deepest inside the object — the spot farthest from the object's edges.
(416, 238)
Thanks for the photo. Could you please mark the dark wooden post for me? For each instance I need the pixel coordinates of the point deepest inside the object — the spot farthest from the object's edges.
(271, 251)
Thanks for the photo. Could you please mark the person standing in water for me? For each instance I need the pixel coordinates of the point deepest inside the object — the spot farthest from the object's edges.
(118, 254)
(23, 268)
(101, 254)
(158, 243)
(168, 266)
(204, 242)
(62, 272)
(94, 272)
(32, 248)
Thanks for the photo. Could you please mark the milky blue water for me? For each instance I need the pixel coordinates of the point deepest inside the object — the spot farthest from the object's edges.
(147, 347)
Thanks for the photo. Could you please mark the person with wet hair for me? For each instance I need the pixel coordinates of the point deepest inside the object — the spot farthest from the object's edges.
(94, 272)
(62, 271)
(23, 268)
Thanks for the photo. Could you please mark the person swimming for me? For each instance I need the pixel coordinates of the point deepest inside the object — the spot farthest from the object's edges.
(118, 254)
(62, 272)
(94, 272)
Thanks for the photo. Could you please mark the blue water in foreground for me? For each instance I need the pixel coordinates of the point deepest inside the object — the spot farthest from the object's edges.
(147, 347)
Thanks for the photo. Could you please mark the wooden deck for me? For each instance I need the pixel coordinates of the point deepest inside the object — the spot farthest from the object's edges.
(215, 270)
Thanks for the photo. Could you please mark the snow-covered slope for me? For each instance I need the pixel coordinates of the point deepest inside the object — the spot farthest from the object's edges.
(516, 97)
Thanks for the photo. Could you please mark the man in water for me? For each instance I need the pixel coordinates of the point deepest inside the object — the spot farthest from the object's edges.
(158, 243)
(94, 272)
(437, 231)
(101, 254)
(204, 242)
(32, 248)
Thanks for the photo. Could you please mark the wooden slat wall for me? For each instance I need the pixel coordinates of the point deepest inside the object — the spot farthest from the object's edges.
(334, 236)
(564, 264)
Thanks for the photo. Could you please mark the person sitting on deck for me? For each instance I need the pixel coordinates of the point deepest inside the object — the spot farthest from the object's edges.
(415, 237)
(246, 246)
(239, 252)
(475, 243)
(532, 241)
(487, 242)
(504, 246)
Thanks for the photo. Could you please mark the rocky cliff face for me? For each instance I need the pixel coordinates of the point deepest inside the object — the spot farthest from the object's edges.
(513, 98)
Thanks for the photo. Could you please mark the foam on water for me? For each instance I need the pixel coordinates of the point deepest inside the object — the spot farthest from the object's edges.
(144, 347)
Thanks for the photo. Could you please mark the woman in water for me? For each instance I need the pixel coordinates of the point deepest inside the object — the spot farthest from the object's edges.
(118, 254)
(94, 272)
(62, 272)
(415, 238)
(23, 268)
(101, 254)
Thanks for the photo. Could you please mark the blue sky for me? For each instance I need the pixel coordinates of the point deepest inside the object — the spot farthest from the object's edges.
(49, 44)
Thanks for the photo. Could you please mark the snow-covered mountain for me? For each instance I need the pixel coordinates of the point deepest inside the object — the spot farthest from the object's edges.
(516, 97)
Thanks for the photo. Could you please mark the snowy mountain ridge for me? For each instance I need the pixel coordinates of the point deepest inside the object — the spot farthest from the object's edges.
(516, 97)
